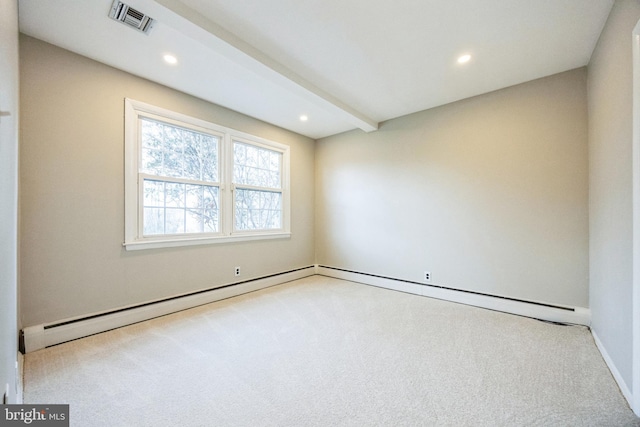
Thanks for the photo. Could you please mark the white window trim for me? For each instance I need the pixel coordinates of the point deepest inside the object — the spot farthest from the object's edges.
(133, 236)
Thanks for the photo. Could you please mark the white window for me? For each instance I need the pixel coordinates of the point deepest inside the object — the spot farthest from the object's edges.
(189, 182)
(257, 182)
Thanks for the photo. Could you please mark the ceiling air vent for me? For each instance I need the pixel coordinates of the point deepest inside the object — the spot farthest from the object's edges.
(133, 18)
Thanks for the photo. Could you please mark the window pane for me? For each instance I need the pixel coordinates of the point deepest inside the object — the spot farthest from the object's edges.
(194, 222)
(176, 208)
(256, 166)
(153, 221)
(153, 193)
(151, 134)
(174, 194)
(152, 161)
(174, 221)
(195, 196)
(173, 164)
(200, 157)
(209, 156)
(176, 152)
(202, 209)
(258, 210)
(211, 212)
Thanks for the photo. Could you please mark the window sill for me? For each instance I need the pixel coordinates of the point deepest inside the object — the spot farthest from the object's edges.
(137, 245)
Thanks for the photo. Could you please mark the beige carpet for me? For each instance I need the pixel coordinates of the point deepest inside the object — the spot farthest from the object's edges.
(326, 352)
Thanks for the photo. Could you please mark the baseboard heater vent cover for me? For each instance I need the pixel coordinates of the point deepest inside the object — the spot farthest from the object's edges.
(46, 335)
(534, 309)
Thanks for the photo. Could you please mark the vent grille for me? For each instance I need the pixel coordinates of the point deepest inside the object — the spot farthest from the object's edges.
(131, 17)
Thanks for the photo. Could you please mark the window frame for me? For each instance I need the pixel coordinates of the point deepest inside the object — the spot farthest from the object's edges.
(249, 187)
(134, 180)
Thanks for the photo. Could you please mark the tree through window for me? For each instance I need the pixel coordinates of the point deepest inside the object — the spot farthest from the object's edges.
(179, 169)
(257, 176)
(191, 182)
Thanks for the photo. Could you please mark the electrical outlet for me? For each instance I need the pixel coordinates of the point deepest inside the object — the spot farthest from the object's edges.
(237, 271)
(427, 277)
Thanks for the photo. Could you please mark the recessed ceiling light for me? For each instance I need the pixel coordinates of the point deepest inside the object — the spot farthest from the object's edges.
(303, 118)
(464, 58)
(170, 59)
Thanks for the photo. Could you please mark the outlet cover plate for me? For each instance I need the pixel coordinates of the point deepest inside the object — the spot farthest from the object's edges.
(427, 277)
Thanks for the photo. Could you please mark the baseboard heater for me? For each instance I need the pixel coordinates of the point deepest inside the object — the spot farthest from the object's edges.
(534, 309)
(41, 336)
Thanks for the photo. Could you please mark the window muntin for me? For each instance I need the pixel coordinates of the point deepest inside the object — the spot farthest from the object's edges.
(178, 171)
(256, 166)
(257, 179)
(258, 210)
(188, 181)
(179, 208)
(168, 150)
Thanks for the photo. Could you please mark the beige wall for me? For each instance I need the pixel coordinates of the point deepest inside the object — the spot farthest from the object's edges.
(489, 194)
(72, 201)
(8, 195)
(610, 86)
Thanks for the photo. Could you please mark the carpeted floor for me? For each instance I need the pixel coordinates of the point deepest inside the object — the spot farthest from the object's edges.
(326, 352)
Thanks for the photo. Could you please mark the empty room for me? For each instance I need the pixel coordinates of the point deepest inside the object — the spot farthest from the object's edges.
(320, 213)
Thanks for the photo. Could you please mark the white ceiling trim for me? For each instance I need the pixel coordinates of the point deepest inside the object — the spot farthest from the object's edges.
(211, 35)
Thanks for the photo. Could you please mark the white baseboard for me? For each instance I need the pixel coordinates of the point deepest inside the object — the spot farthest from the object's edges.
(574, 315)
(614, 370)
(40, 336)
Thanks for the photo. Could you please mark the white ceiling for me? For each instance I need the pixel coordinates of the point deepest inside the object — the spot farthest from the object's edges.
(346, 64)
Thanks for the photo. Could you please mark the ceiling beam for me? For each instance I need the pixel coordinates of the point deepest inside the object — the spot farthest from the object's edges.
(193, 24)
